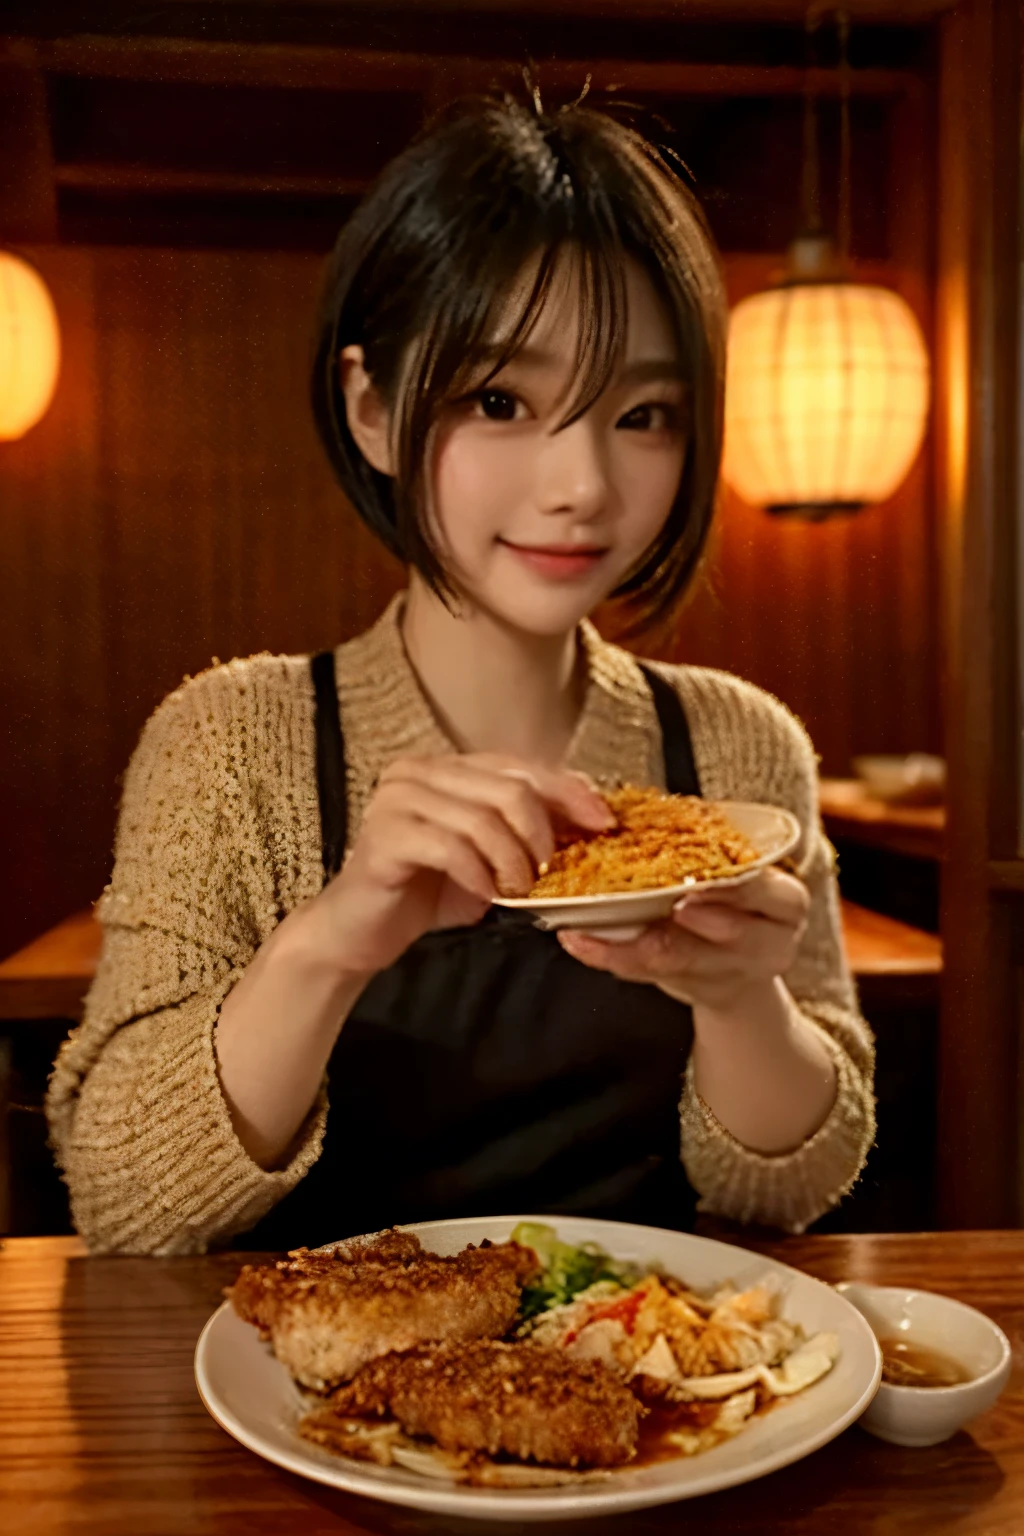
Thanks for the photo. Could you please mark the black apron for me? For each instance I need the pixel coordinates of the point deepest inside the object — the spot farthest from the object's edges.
(487, 1072)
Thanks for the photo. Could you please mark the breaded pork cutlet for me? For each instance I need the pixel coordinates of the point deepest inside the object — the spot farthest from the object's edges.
(258, 1288)
(327, 1314)
(519, 1400)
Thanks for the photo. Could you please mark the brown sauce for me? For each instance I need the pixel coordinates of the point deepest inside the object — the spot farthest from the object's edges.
(653, 1444)
(906, 1364)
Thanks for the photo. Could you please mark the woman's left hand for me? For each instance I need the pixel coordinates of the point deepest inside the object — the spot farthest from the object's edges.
(717, 947)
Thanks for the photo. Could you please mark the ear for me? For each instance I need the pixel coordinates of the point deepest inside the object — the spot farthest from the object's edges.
(368, 418)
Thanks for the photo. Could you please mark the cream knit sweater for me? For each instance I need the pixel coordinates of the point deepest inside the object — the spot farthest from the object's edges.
(219, 838)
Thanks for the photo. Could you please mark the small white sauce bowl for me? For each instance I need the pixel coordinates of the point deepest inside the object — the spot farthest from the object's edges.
(928, 1415)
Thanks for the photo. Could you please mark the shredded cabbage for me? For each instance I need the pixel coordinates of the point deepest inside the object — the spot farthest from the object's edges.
(566, 1270)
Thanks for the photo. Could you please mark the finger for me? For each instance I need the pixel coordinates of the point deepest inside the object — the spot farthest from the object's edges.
(514, 799)
(573, 794)
(661, 951)
(416, 845)
(770, 894)
(743, 938)
(719, 924)
(486, 829)
(683, 965)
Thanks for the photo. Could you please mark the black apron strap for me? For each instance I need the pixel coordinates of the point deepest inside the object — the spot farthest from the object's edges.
(330, 763)
(680, 768)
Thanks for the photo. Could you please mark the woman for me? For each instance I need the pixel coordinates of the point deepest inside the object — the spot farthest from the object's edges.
(309, 1020)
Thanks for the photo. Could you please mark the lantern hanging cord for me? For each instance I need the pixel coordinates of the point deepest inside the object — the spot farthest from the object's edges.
(843, 26)
(810, 192)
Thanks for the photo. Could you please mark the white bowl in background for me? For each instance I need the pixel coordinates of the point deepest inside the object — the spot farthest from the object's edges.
(917, 778)
(918, 1416)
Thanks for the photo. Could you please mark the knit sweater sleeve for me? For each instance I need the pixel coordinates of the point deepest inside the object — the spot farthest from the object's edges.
(750, 747)
(137, 1117)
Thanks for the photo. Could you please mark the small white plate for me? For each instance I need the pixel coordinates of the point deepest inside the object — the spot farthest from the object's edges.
(251, 1395)
(623, 914)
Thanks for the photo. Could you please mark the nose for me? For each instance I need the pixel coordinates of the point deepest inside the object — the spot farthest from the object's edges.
(573, 476)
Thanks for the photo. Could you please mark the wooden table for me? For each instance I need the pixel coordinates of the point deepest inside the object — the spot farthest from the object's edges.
(895, 964)
(849, 811)
(102, 1432)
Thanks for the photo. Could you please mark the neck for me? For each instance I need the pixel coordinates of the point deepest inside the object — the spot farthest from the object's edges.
(492, 687)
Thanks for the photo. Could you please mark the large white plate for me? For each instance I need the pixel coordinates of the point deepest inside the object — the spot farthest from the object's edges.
(252, 1396)
(773, 832)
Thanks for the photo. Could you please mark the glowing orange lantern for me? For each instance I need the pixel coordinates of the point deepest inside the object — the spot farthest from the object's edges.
(29, 347)
(826, 395)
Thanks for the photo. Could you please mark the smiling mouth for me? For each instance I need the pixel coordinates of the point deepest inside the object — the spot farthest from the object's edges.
(559, 561)
(558, 551)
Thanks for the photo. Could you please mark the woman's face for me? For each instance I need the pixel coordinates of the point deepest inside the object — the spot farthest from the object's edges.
(537, 524)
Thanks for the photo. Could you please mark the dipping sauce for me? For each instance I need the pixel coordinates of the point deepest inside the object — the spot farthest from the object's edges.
(906, 1364)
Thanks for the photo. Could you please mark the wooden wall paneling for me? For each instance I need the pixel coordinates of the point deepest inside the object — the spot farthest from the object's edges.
(173, 506)
(28, 209)
(54, 571)
(911, 201)
(228, 521)
(978, 467)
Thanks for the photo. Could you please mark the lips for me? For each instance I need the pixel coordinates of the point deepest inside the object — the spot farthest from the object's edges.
(558, 561)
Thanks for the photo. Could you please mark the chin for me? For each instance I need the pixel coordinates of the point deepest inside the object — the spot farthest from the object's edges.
(546, 614)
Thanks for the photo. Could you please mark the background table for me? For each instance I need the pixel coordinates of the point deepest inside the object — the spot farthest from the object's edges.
(49, 978)
(849, 810)
(102, 1432)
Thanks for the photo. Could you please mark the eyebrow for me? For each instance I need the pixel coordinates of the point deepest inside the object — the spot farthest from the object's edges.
(644, 370)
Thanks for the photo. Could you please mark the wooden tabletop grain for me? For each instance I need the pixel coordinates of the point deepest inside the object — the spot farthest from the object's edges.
(102, 1432)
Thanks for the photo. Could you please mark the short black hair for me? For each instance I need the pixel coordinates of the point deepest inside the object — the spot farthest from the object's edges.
(420, 271)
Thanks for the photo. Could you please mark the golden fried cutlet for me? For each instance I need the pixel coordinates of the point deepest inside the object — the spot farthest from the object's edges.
(326, 1313)
(258, 1288)
(519, 1400)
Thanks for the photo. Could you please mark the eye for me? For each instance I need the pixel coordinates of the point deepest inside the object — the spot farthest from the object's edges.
(652, 416)
(496, 404)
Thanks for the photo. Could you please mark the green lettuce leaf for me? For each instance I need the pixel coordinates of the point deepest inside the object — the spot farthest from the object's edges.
(567, 1270)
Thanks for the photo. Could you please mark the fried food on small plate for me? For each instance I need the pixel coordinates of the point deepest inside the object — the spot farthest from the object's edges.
(665, 847)
(327, 1312)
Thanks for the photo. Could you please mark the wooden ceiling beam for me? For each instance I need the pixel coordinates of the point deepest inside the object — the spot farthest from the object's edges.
(176, 60)
(773, 12)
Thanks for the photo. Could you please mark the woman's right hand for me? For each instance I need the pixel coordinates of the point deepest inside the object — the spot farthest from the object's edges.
(441, 838)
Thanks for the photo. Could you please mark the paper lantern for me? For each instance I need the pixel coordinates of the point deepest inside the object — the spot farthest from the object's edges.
(827, 393)
(29, 347)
